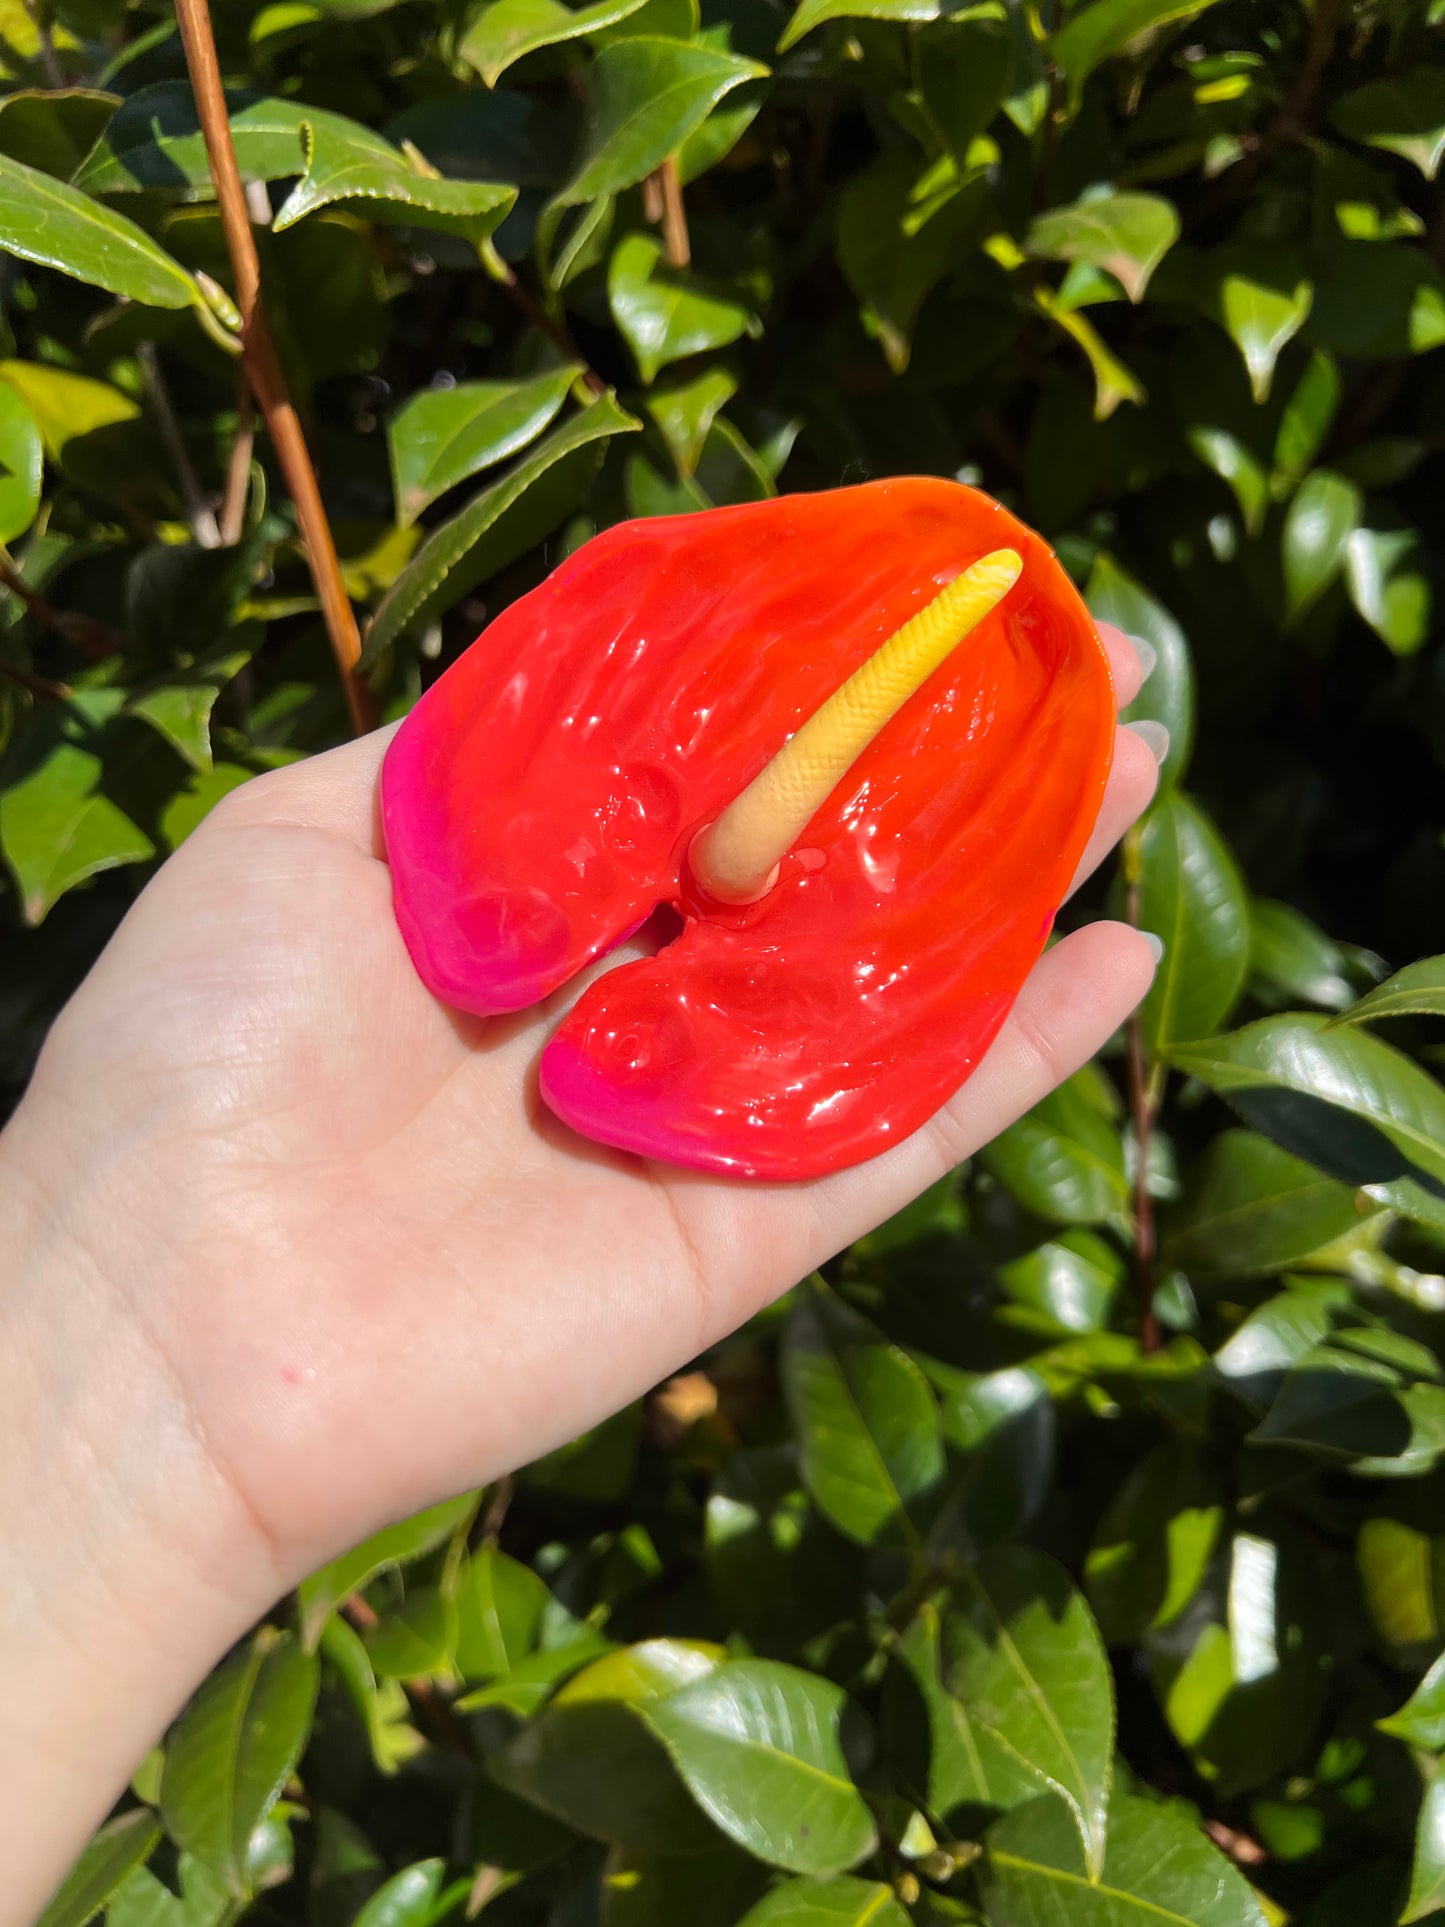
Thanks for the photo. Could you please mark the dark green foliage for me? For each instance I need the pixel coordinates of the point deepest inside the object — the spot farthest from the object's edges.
(953, 1590)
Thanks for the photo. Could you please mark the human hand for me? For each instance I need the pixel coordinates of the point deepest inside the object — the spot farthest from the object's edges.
(349, 1256)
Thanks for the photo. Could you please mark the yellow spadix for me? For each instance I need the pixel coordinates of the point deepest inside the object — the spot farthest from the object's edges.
(736, 858)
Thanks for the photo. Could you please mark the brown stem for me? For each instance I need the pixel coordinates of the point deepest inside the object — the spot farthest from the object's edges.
(238, 469)
(526, 303)
(263, 366)
(40, 687)
(676, 244)
(499, 1501)
(1143, 1110)
(198, 510)
(93, 638)
(652, 198)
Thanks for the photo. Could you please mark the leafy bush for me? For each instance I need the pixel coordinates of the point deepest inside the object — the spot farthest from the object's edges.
(1076, 1550)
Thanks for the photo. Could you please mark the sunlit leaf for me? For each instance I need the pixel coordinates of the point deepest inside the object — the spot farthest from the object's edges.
(116, 1850)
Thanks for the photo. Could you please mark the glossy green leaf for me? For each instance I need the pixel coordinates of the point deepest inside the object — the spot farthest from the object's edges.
(1388, 579)
(54, 224)
(1308, 415)
(645, 96)
(1279, 1333)
(58, 826)
(1427, 1878)
(1261, 299)
(664, 314)
(395, 1545)
(1317, 525)
(1072, 1280)
(1113, 382)
(145, 1901)
(843, 1902)
(498, 525)
(1168, 695)
(964, 72)
(154, 142)
(179, 709)
(685, 411)
(762, 1749)
(1416, 991)
(895, 248)
(115, 1851)
(502, 32)
(1126, 234)
(1022, 1652)
(443, 435)
(1352, 1408)
(590, 1759)
(1421, 1720)
(415, 1639)
(864, 1417)
(1063, 1160)
(1405, 115)
(1154, 1543)
(1402, 1578)
(233, 1750)
(1003, 1423)
(1250, 1207)
(1291, 960)
(1106, 27)
(816, 13)
(407, 1899)
(54, 129)
(389, 186)
(21, 461)
(1338, 1096)
(1159, 1871)
(1192, 895)
(500, 1608)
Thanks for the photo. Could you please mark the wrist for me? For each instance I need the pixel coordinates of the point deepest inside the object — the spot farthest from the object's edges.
(131, 1562)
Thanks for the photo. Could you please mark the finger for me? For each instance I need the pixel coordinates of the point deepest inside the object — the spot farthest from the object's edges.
(1076, 997)
(1133, 780)
(335, 792)
(1130, 660)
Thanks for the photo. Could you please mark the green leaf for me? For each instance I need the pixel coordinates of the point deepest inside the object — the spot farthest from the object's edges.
(645, 96)
(1387, 575)
(1154, 1543)
(503, 32)
(1004, 1425)
(1128, 235)
(1427, 1879)
(865, 1420)
(1279, 1333)
(964, 71)
(180, 711)
(1107, 27)
(58, 826)
(395, 1545)
(1421, 1720)
(1346, 1407)
(1113, 382)
(1416, 991)
(895, 243)
(145, 1901)
(1402, 1578)
(1071, 1281)
(407, 1899)
(664, 314)
(1317, 525)
(233, 1750)
(1063, 1160)
(1308, 415)
(54, 130)
(1291, 959)
(1252, 1208)
(119, 1847)
(1261, 298)
(815, 13)
(22, 454)
(951, 1764)
(761, 1747)
(590, 1759)
(843, 1902)
(1405, 116)
(54, 224)
(1335, 1095)
(501, 1605)
(440, 436)
(1192, 895)
(1159, 1871)
(498, 525)
(686, 410)
(1022, 1652)
(389, 186)
(416, 1639)
(154, 142)
(1168, 695)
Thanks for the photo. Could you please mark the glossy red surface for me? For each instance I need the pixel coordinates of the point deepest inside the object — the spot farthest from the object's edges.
(540, 799)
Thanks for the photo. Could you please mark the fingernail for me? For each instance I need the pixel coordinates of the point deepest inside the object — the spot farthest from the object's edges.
(1156, 944)
(1146, 652)
(1154, 736)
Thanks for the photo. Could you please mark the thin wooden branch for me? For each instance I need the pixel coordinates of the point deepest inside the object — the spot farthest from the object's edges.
(238, 469)
(523, 300)
(263, 365)
(40, 687)
(199, 512)
(676, 243)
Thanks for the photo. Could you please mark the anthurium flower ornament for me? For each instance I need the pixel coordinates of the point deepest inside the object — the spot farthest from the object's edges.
(857, 739)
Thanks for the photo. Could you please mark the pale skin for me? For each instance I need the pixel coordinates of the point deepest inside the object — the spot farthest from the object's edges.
(292, 1251)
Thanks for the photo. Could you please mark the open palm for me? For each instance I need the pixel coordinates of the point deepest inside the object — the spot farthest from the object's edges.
(375, 1265)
